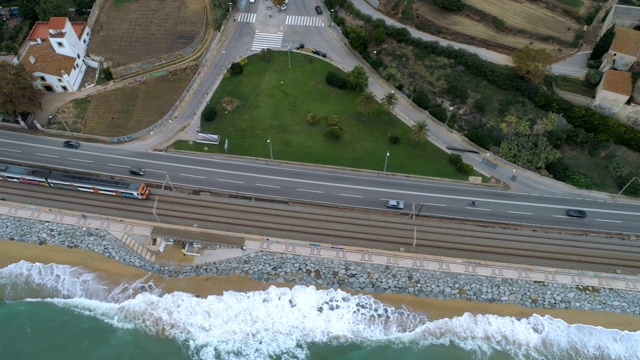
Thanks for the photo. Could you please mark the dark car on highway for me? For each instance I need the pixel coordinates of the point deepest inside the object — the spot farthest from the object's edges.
(71, 144)
(318, 10)
(136, 171)
(581, 214)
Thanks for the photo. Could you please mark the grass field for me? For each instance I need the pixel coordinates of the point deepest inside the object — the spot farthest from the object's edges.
(273, 102)
(575, 86)
(128, 110)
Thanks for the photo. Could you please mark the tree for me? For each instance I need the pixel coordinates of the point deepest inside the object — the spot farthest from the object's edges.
(453, 5)
(618, 167)
(420, 130)
(593, 77)
(51, 8)
(357, 79)
(603, 44)
(209, 114)
(332, 120)
(367, 102)
(28, 11)
(512, 126)
(389, 101)
(358, 39)
(82, 6)
(266, 54)
(531, 151)
(107, 74)
(532, 64)
(313, 119)
(17, 92)
(236, 68)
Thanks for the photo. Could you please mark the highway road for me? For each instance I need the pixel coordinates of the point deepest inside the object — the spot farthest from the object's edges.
(297, 182)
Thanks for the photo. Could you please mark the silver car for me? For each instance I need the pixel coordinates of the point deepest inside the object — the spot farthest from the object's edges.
(395, 204)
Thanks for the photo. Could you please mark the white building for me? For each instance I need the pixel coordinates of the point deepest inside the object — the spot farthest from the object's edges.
(55, 54)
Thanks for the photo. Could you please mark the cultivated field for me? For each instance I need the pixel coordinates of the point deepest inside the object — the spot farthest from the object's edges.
(506, 26)
(131, 109)
(131, 31)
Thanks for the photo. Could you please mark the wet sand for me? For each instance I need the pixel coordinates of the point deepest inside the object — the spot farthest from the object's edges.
(115, 273)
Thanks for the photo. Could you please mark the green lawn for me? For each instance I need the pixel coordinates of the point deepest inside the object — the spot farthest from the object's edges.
(274, 101)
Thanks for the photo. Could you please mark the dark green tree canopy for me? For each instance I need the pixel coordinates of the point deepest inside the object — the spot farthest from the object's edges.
(17, 91)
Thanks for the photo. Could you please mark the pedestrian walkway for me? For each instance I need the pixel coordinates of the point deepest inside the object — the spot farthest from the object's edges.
(461, 266)
(303, 20)
(266, 41)
(246, 17)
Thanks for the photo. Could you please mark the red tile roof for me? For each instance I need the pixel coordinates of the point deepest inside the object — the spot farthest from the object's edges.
(618, 82)
(41, 28)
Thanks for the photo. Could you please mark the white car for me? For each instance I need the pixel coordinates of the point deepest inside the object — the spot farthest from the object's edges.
(395, 204)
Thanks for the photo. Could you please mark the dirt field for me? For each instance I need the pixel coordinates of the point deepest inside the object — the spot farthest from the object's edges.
(142, 29)
(520, 17)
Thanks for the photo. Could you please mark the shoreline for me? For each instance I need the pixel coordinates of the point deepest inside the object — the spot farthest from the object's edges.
(114, 273)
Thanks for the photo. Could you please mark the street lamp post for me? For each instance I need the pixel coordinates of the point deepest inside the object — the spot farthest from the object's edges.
(331, 17)
(629, 183)
(63, 123)
(270, 148)
(385, 161)
(374, 53)
(448, 116)
(230, 4)
(289, 51)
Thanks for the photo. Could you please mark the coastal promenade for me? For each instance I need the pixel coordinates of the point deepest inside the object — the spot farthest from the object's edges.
(135, 234)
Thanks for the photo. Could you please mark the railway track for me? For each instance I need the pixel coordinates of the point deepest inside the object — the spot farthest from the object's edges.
(383, 230)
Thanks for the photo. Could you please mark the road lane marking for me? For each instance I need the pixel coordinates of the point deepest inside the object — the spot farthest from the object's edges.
(349, 195)
(611, 221)
(270, 186)
(430, 204)
(14, 150)
(560, 216)
(116, 165)
(231, 181)
(311, 191)
(47, 155)
(519, 212)
(476, 208)
(81, 160)
(193, 176)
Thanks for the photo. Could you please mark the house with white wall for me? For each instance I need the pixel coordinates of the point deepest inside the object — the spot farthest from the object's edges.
(624, 50)
(55, 54)
(613, 91)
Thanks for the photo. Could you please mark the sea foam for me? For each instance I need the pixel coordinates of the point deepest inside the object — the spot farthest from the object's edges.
(282, 322)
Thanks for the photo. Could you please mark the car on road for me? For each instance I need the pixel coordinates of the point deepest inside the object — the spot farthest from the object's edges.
(136, 171)
(318, 10)
(395, 204)
(581, 214)
(71, 144)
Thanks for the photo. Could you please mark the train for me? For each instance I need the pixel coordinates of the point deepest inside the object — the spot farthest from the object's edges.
(79, 182)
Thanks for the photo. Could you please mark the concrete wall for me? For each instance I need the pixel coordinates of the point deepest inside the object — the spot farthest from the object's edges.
(625, 16)
(575, 99)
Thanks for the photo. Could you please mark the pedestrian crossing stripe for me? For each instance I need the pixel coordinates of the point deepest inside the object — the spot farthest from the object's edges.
(246, 17)
(303, 20)
(265, 41)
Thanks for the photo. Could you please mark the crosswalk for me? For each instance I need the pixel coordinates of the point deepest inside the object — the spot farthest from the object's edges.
(264, 41)
(304, 20)
(246, 17)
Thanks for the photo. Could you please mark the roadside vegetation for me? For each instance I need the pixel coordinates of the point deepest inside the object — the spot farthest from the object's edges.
(309, 116)
(510, 111)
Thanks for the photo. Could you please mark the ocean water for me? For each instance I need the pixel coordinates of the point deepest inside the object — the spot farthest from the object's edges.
(63, 312)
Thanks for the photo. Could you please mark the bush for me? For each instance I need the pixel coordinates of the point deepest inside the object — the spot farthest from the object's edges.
(332, 120)
(236, 68)
(480, 138)
(334, 132)
(422, 100)
(465, 168)
(336, 80)
(107, 74)
(579, 181)
(559, 170)
(618, 167)
(593, 77)
(438, 112)
(453, 5)
(455, 159)
(209, 114)
(594, 64)
(457, 90)
(313, 119)
(394, 139)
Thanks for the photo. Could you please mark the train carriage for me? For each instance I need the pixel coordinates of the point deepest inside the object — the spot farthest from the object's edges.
(24, 175)
(98, 185)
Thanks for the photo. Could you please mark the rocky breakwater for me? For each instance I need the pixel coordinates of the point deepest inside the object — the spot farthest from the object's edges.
(332, 273)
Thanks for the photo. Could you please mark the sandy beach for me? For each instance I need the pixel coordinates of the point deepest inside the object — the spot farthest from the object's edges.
(115, 273)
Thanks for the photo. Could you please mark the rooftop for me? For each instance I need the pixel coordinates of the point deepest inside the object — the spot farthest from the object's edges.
(618, 82)
(41, 28)
(626, 41)
(47, 60)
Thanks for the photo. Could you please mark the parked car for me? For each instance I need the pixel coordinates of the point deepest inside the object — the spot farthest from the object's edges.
(136, 171)
(395, 204)
(581, 214)
(318, 10)
(71, 144)
(283, 7)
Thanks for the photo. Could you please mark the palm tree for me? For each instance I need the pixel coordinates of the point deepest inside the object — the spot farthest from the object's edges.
(389, 101)
(420, 130)
(367, 102)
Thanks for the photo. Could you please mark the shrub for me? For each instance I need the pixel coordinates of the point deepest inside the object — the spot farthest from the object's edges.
(453, 5)
(594, 64)
(438, 112)
(107, 74)
(336, 80)
(394, 139)
(559, 170)
(593, 77)
(480, 138)
(422, 100)
(313, 119)
(465, 168)
(457, 90)
(209, 114)
(618, 167)
(236, 68)
(579, 181)
(455, 159)
(334, 132)
(332, 120)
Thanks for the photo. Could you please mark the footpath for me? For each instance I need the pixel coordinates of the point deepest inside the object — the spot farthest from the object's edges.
(136, 235)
